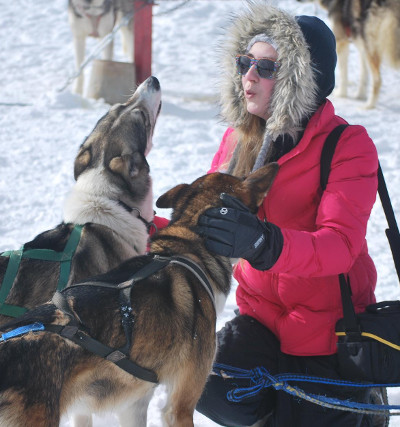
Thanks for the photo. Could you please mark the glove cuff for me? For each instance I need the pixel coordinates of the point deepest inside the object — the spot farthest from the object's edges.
(272, 249)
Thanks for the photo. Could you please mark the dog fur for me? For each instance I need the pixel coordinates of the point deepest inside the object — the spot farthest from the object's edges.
(112, 178)
(111, 175)
(42, 375)
(97, 18)
(374, 28)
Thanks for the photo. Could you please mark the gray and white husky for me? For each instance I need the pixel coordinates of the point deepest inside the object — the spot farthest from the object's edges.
(111, 202)
(97, 18)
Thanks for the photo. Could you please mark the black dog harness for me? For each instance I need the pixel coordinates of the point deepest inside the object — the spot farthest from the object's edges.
(76, 331)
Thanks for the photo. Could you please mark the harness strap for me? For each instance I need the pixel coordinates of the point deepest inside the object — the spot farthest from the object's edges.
(120, 357)
(198, 272)
(127, 318)
(157, 263)
(60, 301)
(73, 331)
(160, 262)
(79, 337)
(15, 257)
(33, 327)
(8, 279)
(68, 254)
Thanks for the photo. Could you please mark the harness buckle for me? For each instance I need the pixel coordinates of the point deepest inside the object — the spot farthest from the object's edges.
(69, 331)
(116, 356)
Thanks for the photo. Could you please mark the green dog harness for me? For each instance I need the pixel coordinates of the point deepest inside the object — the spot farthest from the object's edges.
(14, 262)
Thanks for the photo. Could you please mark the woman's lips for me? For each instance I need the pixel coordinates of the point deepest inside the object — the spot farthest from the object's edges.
(249, 94)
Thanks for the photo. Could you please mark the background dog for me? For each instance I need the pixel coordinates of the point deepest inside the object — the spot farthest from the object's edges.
(96, 18)
(112, 199)
(374, 28)
(171, 326)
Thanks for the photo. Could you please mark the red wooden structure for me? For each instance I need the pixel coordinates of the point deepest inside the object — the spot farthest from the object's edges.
(142, 33)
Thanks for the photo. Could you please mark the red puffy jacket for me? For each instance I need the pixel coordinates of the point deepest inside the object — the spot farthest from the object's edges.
(298, 299)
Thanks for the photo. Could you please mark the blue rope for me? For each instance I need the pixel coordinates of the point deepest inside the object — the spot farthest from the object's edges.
(21, 331)
(261, 379)
(261, 373)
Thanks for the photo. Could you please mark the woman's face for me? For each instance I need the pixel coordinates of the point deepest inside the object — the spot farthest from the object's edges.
(258, 90)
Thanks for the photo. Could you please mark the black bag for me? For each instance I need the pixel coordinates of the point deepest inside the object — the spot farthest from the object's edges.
(369, 342)
(372, 353)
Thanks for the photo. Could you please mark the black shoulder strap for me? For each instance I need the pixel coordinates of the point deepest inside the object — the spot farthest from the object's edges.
(392, 232)
(327, 153)
(328, 150)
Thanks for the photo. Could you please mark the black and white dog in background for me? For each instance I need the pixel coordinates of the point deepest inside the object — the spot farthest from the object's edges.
(374, 28)
(97, 18)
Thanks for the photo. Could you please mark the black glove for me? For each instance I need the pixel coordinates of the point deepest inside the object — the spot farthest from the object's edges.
(235, 232)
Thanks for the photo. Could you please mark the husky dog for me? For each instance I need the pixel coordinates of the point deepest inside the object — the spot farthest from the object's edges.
(374, 27)
(111, 200)
(96, 18)
(153, 316)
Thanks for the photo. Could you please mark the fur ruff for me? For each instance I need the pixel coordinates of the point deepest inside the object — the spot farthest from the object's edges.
(294, 96)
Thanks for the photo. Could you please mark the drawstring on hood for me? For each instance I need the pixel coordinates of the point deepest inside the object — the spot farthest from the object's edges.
(306, 50)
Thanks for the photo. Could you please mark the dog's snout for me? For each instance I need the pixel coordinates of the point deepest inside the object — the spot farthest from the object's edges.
(153, 83)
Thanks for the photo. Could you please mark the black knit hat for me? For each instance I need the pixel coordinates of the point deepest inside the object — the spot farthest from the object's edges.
(322, 45)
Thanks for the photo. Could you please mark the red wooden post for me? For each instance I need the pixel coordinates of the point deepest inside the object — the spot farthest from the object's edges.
(142, 29)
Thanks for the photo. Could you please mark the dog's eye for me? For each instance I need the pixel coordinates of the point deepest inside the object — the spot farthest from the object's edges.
(145, 118)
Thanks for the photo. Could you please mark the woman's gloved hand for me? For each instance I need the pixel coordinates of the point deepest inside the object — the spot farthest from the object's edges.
(235, 232)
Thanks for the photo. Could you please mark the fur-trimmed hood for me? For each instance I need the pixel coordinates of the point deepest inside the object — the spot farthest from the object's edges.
(307, 52)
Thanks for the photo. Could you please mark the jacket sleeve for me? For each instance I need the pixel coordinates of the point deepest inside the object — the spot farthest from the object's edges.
(342, 215)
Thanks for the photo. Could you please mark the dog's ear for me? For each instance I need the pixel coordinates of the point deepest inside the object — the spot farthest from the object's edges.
(168, 199)
(120, 165)
(259, 182)
(127, 165)
(81, 162)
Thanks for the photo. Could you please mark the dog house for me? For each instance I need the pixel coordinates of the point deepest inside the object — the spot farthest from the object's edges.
(111, 80)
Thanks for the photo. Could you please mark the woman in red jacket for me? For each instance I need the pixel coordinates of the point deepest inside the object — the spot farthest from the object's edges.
(278, 71)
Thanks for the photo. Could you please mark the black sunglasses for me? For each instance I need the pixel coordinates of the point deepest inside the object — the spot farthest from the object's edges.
(266, 68)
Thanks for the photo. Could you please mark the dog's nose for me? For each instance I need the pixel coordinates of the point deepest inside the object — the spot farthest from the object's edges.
(153, 83)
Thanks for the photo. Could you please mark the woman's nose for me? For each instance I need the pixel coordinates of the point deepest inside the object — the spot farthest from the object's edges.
(252, 74)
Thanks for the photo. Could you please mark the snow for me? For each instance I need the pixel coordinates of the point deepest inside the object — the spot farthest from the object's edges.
(42, 127)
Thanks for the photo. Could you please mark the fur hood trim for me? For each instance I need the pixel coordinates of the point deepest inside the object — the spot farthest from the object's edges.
(295, 93)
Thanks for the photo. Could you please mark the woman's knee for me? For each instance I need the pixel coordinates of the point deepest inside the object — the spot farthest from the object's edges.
(214, 404)
(242, 343)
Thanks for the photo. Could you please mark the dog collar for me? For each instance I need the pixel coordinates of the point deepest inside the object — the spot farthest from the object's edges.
(130, 210)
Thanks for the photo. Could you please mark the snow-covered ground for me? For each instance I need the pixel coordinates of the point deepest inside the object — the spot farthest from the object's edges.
(41, 127)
